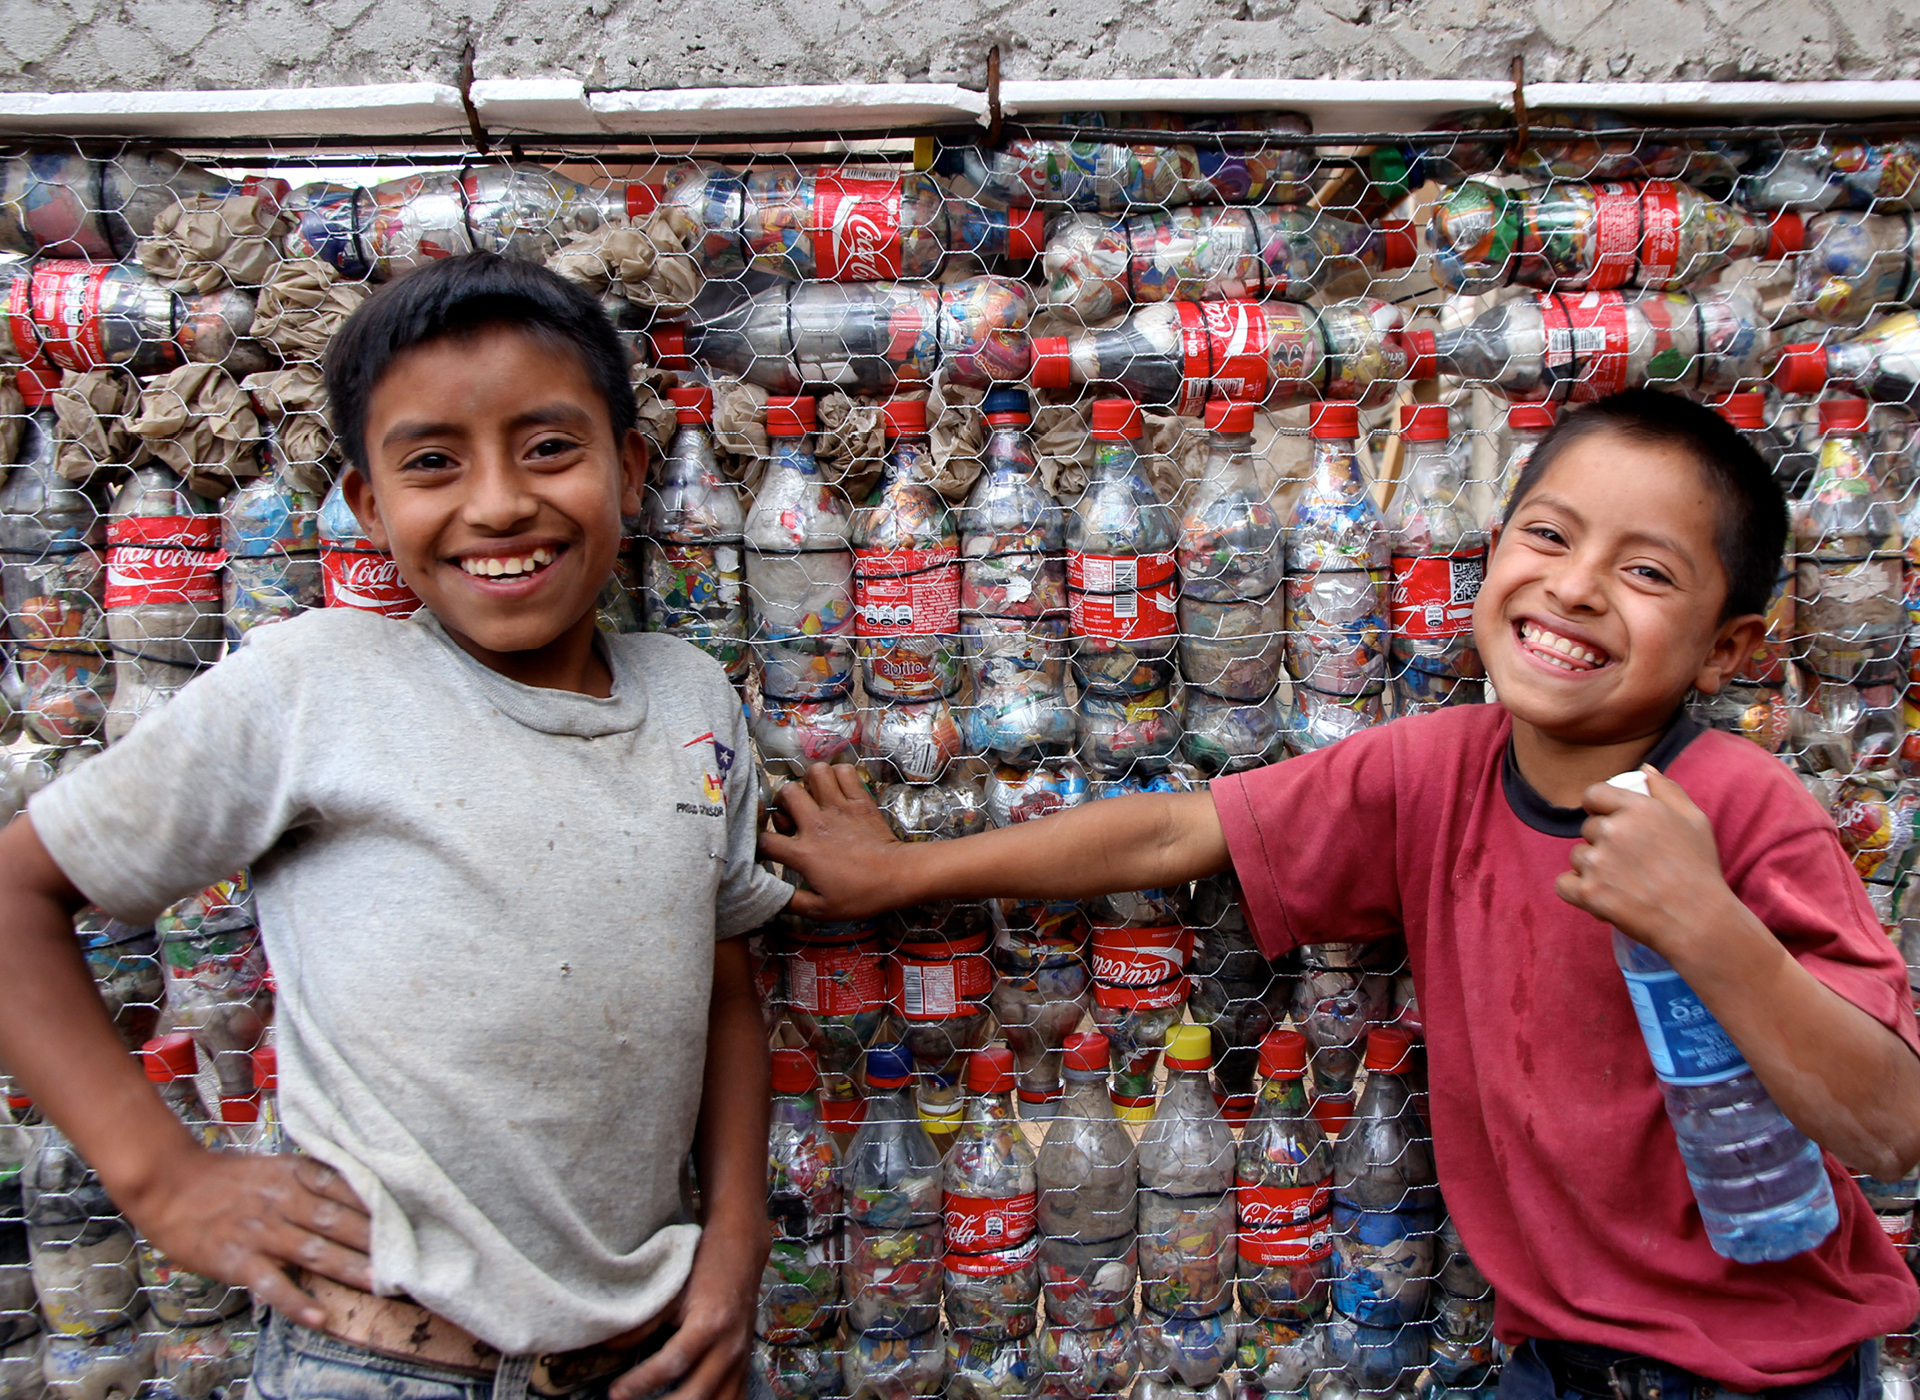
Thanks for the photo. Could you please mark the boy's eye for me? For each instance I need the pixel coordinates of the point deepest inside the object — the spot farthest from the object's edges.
(1546, 533)
(428, 462)
(1651, 574)
(554, 447)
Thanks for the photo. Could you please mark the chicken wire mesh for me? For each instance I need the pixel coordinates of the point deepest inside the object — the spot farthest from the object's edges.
(1108, 456)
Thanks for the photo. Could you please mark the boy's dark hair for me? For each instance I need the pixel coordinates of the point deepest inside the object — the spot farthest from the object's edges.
(453, 298)
(1751, 528)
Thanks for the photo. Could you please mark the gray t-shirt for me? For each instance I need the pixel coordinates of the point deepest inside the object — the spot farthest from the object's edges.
(490, 911)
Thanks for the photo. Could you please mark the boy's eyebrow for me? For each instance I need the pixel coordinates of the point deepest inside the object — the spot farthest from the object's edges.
(560, 413)
(1652, 537)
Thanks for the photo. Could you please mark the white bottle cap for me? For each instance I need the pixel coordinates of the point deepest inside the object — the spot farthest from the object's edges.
(1635, 781)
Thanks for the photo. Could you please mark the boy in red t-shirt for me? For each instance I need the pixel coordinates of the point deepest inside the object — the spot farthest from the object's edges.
(1633, 565)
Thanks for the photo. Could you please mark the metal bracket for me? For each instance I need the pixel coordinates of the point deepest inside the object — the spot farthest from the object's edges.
(1520, 137)
(994, 117)
(481, 141)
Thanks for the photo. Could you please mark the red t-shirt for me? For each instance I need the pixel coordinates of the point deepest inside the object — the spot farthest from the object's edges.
(1554, 1150)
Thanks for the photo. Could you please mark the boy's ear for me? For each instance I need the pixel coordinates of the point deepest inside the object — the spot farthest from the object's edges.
(1733, 646)
(359, 493)
(636, 456)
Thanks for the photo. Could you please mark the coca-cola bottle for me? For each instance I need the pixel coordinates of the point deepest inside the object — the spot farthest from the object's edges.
(866, 338)
(1087, 1172)
(1181, 353)
(1235, 992)
(218, 986)
(800, 1284)
(1336, 587)
(1231, 600)
(906, 571)
(1820, 172)
(164, 617)
(1581, 346)
(1528, 423)
(1855, 266)
(793, 735)
(85, 1267)
(836, 998)
(175, 1296)
(1463, 1346)
(57, 199)
(1283, 1183)
(270, 531)
(1847, 603)
(84, 315)
(847, 225)
(270, 1128)
(1439, 557)
(894, 1220)
(990, 1199)
(51, 581)
(1187, 1219)
(353, 573)
(1570, 237)
(1097, 267)
(799, 566)
(1882, 362)
(690, 551)
(1384, 1194)
(1343, 991)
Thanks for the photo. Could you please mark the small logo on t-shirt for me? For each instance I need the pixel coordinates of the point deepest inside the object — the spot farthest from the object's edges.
(713, 786)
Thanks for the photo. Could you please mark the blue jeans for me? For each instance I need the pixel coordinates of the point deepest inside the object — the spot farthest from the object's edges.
(1526, 1377)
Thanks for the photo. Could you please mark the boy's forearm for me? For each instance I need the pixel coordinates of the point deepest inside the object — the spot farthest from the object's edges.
(730, 1142)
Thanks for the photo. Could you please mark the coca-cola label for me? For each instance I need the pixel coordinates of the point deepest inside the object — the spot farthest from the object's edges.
(938, 989)
(836, 981)
(906, 592)
(65, 310)
(1121, 597)
(1285, 1224)
(368, 580)
(856, 229)
(1616, 235)
(1660, 234)
(26, 344)
(1140, 967)
(160, 559)
(1223, 345)
(1587, 342)
(1433, 593)
(982, 1224)
(1898, 1228)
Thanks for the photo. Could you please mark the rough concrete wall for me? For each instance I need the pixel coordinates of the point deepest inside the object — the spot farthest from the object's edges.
(95, 44)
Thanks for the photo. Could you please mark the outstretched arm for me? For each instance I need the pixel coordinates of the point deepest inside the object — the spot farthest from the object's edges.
(855, 866)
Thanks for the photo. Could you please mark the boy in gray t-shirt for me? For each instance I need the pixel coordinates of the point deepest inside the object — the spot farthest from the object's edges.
(502, 861)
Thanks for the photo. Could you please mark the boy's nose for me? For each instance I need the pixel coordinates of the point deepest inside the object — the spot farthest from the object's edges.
(498, 499)
(1577, 584)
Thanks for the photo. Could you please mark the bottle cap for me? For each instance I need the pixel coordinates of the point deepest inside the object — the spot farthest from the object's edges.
(1235, 1108)
(19, 1103)
(246, 1110)
(36, 384)
(1226, 416)
(1530, 415)
(1052, 369)
(1115, 420)
(990, 1071)
(266, 1069)
(1335, 420)
(1397, 246)
(670, 347)
(904, 417)
(1334, 1112)
(1283, 1054)
(1801, 369)
(1389, 1050)
(787, 418)
(1004, 402)
(170, 1057)
(1087, 1052)
(794, 1072)
(693, 403)
(1189, 1047)
(889, 1066)
(1786, 235)
(1633, 780)
(1133, 1110)
(1026, 233)
(1848, 415)
(1747, 410)
(1425, 422)
(1423, 356)
(842, 1115)
(643, 199)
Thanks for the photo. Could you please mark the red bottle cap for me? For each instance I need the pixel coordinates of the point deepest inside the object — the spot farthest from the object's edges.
(1051, 367)
(990, 1071)
(1786, 235)
(643, 199)
(1425, 422)
(1848, 415)
(1389, 1050)
(1334, 1112)
(1283, 1054)
(788, 418)
(170, 1057)
(1335, 420)
(1747, 410)
(19, 1103)
(1026, 233)
(1087, 1052)
(1423, 359)
(842, 1115)
(36, 384)
(245, 1110)
(794, 1072)
(1226, 416)
(266, 1069)
(1051, 1095)
(904, 417)
(1397, 246)
(1530, 415)
(1235, 1108)
(1116, 420)
(670, 347)
(1801, 369)
(693, 403)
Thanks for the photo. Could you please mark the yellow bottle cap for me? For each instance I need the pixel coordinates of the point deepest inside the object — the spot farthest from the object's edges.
(1134, 1113)
(1190, 1045)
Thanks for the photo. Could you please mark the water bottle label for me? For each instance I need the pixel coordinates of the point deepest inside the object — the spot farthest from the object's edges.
(1284, 1224)
(990, 1225)
(1636, 234)
(1140, 967)
(1433, 593)
(1686, 1043)
(57, 310)
(1587, 342)
(1223, 346)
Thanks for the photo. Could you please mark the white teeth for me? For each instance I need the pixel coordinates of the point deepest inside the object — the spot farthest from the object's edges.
(494, 566)
(1552, 642)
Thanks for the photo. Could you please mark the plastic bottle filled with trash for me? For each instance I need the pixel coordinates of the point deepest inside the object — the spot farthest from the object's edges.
(1099, 266)
(1760, 1182)
(799, 566)
(1236, 993)
(85, 1265)
(1856, 266)
(1439, 557)
(1847, 601)
(891, 1173)
(1527, 424)
(990, 1197)
(1822, 173)
(836, 998)
(800, 1284)
(270, 533)
(52, 581)
(906, 571)
(1463, 1345)
(175, 1296)
(58, 200)
(1088, 1213)
(1187, 1212)
(1570, 237)
(84, 315)
(1181, 353)
(1882, 362)
(1384, 1196)
(353, 573)
(164, 616)
(690, 572)
(19, 1322)
(1283, 1182)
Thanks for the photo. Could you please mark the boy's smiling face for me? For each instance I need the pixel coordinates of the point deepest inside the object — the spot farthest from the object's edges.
(1602, 601)
(496, 485)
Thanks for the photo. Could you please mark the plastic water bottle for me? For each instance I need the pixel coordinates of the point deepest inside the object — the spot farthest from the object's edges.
(1760, 1182)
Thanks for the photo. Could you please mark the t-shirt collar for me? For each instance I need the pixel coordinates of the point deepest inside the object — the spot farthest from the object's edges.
(558, 711)
(1535, 811)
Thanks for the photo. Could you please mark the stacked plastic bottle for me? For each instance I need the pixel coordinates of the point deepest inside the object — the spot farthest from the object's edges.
(800, 1302)
(690, 569)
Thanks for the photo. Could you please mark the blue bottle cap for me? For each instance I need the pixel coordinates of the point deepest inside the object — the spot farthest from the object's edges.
(1007, 400)
(889, 1065)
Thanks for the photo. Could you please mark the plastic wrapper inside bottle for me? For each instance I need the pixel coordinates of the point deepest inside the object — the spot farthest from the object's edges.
(915, 740)
(1383, 1263)
(1089, 1286)
(1334, 1007)
(181, 1298)
(1856, 266)
(694, 591)
(1187, 1257)
(1037, 1007)
(1018, 712)
(21, 1374)
(809, 1372)
(1418, 690)
(1137, 1035)
(890, 1366)
(1319, 718)
(217, 978)
(982, 1367)
(1852, 720)
(794, 734)
(1187, 1350)
(799, 1290)
(113, 1364)
(1375, 1358)
(837, 999)
(1279, 1355)
(892, 1279)
(1221, 735)
(85, 1270)
(1233, 649)
(939, 989)
(1820, 172)
(1019, 794)
(1128, 735)
(994, 1295)
(1082, 1363)
(956, 806)
(1463, 1343)
(203, 1363)
(1336, 628)
(125, 962)
(1029, 935)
